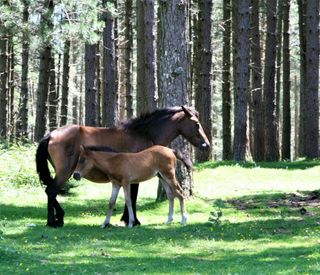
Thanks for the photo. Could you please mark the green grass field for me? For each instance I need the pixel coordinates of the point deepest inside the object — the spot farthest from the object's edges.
(269, 224)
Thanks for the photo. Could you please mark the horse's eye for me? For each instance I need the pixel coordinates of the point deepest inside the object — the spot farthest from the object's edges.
(82, 160)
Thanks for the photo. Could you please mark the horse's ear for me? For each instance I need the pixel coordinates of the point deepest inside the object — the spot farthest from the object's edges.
(187, 111)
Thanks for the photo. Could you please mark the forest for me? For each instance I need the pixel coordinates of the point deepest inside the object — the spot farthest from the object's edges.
(250, 68)
(246, 70)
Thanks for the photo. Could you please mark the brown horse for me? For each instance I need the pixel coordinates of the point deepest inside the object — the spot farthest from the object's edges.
(62, 147)
(124, 169)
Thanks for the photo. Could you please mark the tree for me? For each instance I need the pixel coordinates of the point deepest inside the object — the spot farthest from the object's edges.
(110, 90)
(311, 127)
(203, 73)
(43, 82)
(91, 84)
(256, 84)
(174, 69)
(53, 96)
(146, 64)
(65, 84)
(226, 85)
(272, 146)
(241, 82)
(128, 57)
(286, 123)
(22, 120)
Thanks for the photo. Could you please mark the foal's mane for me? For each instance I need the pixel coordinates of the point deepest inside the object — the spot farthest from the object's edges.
(145, 122)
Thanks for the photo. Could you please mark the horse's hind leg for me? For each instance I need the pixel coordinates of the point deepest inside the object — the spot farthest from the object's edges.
(112, 202)
(126, 190)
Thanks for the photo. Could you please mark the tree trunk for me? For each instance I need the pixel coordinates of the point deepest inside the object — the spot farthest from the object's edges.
(303, 62)
(11, 115)
(272, 146)
(286, 123)
(65, 84)
(128, 58)
(43, 82)
(146, 64)
(91, 85)
(53, 97)
(256, 84)
(4, 89)
(203, 74)
(76, 92)
(110, 96)
(311, 127)
(241, 83)
(226, 85)
(22, 120)
(174, 70)
(296, 119)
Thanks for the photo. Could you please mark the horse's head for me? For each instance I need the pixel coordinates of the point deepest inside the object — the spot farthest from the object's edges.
(84, 165)
(192, 130)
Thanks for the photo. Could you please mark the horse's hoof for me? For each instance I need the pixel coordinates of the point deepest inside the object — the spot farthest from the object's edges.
(59, 223)
(51, 224)
(136, 222)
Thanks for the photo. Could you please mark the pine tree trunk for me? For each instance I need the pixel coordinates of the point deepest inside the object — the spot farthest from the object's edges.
(241, 83)
(226, 85)
(303, 62)
(311, 127)
(174, 70)
(146, 64)
(296, 119)
(75, 95)
(91, 85)
(286, 123)
(11, 116)
(53, 97)
(110, 103)
(65, 84)
(4, 89)
(44, 73)
(128, 58)
(203, 74)
(22, 120)
(256, 84)
(272, 146)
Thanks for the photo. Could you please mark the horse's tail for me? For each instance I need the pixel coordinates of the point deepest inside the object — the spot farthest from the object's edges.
(186, 161)
(42, 156)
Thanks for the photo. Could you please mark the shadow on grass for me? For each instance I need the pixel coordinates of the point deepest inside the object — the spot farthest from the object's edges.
(288, 165)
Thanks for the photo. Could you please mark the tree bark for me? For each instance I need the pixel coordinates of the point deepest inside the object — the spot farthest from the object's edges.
(203, 74)
(174, 70)
(110, 103)
(226, 85)
(286, 123)
(311, 127)
(146, 56)
(65, 84)
(22, 120)
(272, 146)
(256, 84)
(43, 82)
(91, 85)
(241, 83)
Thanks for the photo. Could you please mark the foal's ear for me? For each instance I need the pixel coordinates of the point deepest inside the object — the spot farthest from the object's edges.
(187, 111)
(82, 149)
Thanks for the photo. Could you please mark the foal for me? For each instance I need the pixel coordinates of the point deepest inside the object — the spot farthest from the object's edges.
(124, 169)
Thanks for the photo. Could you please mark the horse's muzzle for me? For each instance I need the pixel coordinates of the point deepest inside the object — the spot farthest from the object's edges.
(77, 176)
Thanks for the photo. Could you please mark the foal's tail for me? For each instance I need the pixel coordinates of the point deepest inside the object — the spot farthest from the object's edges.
(186, 161)
(42, 156)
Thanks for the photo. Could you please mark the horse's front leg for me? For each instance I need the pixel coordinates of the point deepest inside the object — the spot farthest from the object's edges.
(112, 202)
(126, 190)
(134, 194)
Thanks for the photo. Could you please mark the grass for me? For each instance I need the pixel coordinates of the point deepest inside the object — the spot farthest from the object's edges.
(265, 220)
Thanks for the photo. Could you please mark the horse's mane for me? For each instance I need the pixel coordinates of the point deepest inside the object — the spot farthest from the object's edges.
(143, 123)
(101, 148)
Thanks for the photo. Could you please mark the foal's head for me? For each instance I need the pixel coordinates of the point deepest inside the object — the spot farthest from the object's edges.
(84, 164)
(192, 130)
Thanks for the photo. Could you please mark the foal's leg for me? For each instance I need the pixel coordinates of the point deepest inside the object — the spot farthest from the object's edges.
(170, 196)
(112, 202)
(134, 194)
(126, 190)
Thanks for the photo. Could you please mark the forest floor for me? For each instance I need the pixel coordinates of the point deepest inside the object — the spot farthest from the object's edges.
(243, 219)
